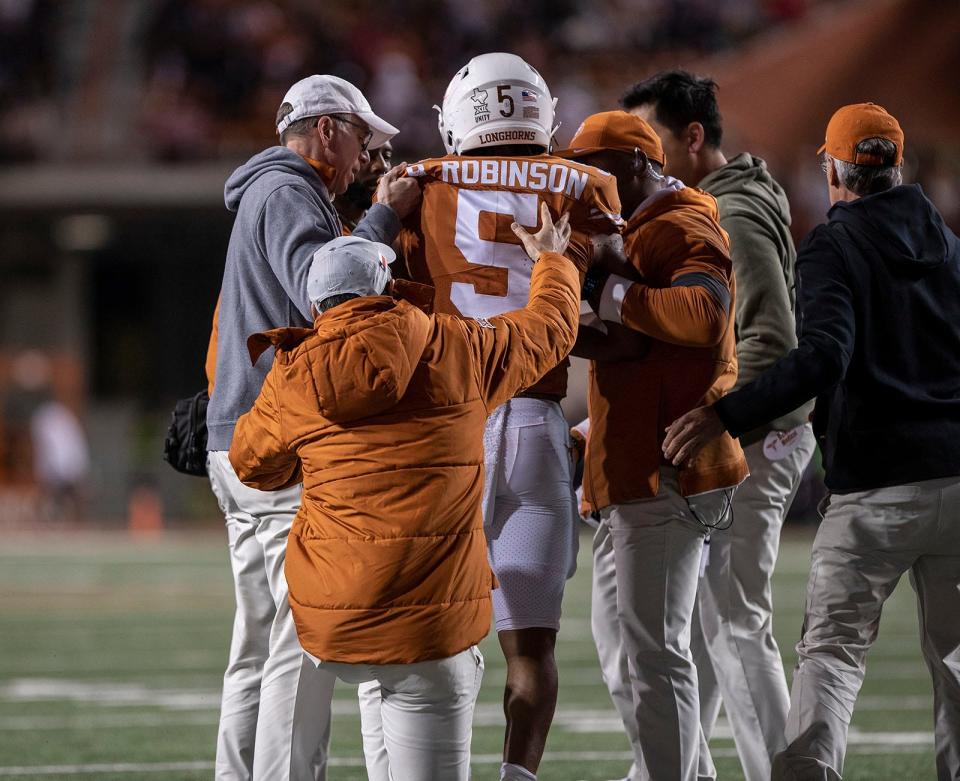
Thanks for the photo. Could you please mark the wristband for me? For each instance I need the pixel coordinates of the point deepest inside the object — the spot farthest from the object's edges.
(594, 279)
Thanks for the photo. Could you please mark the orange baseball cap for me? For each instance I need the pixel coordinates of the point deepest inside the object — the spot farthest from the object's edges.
(616, 130)
(857, 122)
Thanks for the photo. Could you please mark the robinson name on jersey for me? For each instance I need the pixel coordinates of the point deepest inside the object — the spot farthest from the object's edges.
(553, 176)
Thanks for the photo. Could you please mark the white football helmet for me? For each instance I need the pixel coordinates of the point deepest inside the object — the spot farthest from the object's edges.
(496, 99)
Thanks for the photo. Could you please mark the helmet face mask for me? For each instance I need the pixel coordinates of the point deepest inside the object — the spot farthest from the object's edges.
(496, 99)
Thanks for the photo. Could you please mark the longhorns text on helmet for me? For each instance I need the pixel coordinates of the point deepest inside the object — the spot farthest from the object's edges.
(495, 99)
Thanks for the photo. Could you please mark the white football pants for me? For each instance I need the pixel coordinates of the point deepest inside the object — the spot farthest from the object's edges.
(733, 646)
(867, 540)
(274, 699)
(529, 512)
(425, 711)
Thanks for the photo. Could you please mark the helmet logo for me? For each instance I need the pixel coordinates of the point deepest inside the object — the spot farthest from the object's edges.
(481, 111)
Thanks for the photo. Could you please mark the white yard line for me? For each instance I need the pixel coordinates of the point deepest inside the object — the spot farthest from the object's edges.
(478, 759)
(176, 706)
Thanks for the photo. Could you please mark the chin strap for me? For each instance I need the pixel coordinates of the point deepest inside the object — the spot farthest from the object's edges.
(444, 133)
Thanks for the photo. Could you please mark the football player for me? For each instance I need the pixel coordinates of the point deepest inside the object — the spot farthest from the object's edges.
(496, 122)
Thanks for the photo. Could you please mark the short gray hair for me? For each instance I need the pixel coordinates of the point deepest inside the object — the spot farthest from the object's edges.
(869, 179)
(300, 127)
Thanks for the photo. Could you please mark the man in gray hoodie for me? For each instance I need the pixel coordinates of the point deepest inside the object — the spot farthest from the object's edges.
(274, 720)
(733, 645)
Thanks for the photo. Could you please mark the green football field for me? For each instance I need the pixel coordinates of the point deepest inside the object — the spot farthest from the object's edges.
(112, 651)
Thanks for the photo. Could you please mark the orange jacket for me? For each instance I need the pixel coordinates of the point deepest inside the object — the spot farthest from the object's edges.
(685, 306)
(383, 407)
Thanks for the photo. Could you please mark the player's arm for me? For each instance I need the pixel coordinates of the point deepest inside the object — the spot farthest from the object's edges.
(514, 350)
(596, 225)
(259, 453)
(604, 341)
(693, 311)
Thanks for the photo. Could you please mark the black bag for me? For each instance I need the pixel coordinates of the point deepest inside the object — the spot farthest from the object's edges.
(185, 447)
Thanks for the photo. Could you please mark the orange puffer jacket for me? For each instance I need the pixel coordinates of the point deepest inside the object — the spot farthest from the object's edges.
(383, 408)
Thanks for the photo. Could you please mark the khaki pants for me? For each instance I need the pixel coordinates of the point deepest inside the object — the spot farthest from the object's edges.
(657, 544)
(867, 540)
(733, 646)
(274, 699)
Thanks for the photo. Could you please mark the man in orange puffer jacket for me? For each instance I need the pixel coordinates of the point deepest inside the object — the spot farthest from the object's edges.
(379, 409)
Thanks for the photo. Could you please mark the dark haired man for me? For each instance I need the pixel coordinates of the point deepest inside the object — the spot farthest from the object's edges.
(879, 346)
(736, 654)
(283, 201)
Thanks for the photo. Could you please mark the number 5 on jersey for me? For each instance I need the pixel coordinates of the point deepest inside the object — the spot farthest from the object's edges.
(521, 208)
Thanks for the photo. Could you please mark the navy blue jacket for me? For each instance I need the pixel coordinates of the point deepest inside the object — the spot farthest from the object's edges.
(878, 301)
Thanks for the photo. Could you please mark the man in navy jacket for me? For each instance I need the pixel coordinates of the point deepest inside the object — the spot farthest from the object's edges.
(879, 347)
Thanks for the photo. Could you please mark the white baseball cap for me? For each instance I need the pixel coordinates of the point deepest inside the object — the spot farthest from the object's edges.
(315, 96)
(349, 264)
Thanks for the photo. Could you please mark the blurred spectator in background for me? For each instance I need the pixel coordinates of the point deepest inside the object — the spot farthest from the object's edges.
(27, 77)
(47, 444)
(61, 461)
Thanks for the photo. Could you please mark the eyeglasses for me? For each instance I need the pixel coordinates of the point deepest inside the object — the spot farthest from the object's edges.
(367, 137)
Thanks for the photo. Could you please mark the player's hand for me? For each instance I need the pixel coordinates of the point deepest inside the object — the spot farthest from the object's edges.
(400, 193)
(688, 434)
(605, 248)
(607, 252)
(550, 238)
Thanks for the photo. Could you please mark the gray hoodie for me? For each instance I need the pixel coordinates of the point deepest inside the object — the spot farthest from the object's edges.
(755, 213)
(284, 215)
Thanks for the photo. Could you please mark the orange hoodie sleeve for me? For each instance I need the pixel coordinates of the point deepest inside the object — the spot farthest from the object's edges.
(259, 453)
(693, 308)
(514, 350)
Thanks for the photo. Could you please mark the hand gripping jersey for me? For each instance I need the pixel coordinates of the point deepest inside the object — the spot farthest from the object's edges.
(460, 240)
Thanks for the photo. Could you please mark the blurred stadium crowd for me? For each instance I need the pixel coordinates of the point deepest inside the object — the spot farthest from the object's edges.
(204, 73)
(161, 85)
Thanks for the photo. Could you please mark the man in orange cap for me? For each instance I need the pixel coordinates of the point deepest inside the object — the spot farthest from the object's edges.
(879, 346)
(658, 516)
(734, 648)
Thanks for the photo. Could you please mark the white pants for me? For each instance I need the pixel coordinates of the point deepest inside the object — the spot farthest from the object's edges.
(867, 540)
(657, 544)
(733, 646)
(273, 698)
(426, 714)
(530, 516)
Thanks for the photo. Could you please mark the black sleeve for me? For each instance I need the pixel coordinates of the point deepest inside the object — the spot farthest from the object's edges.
(826, 332)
